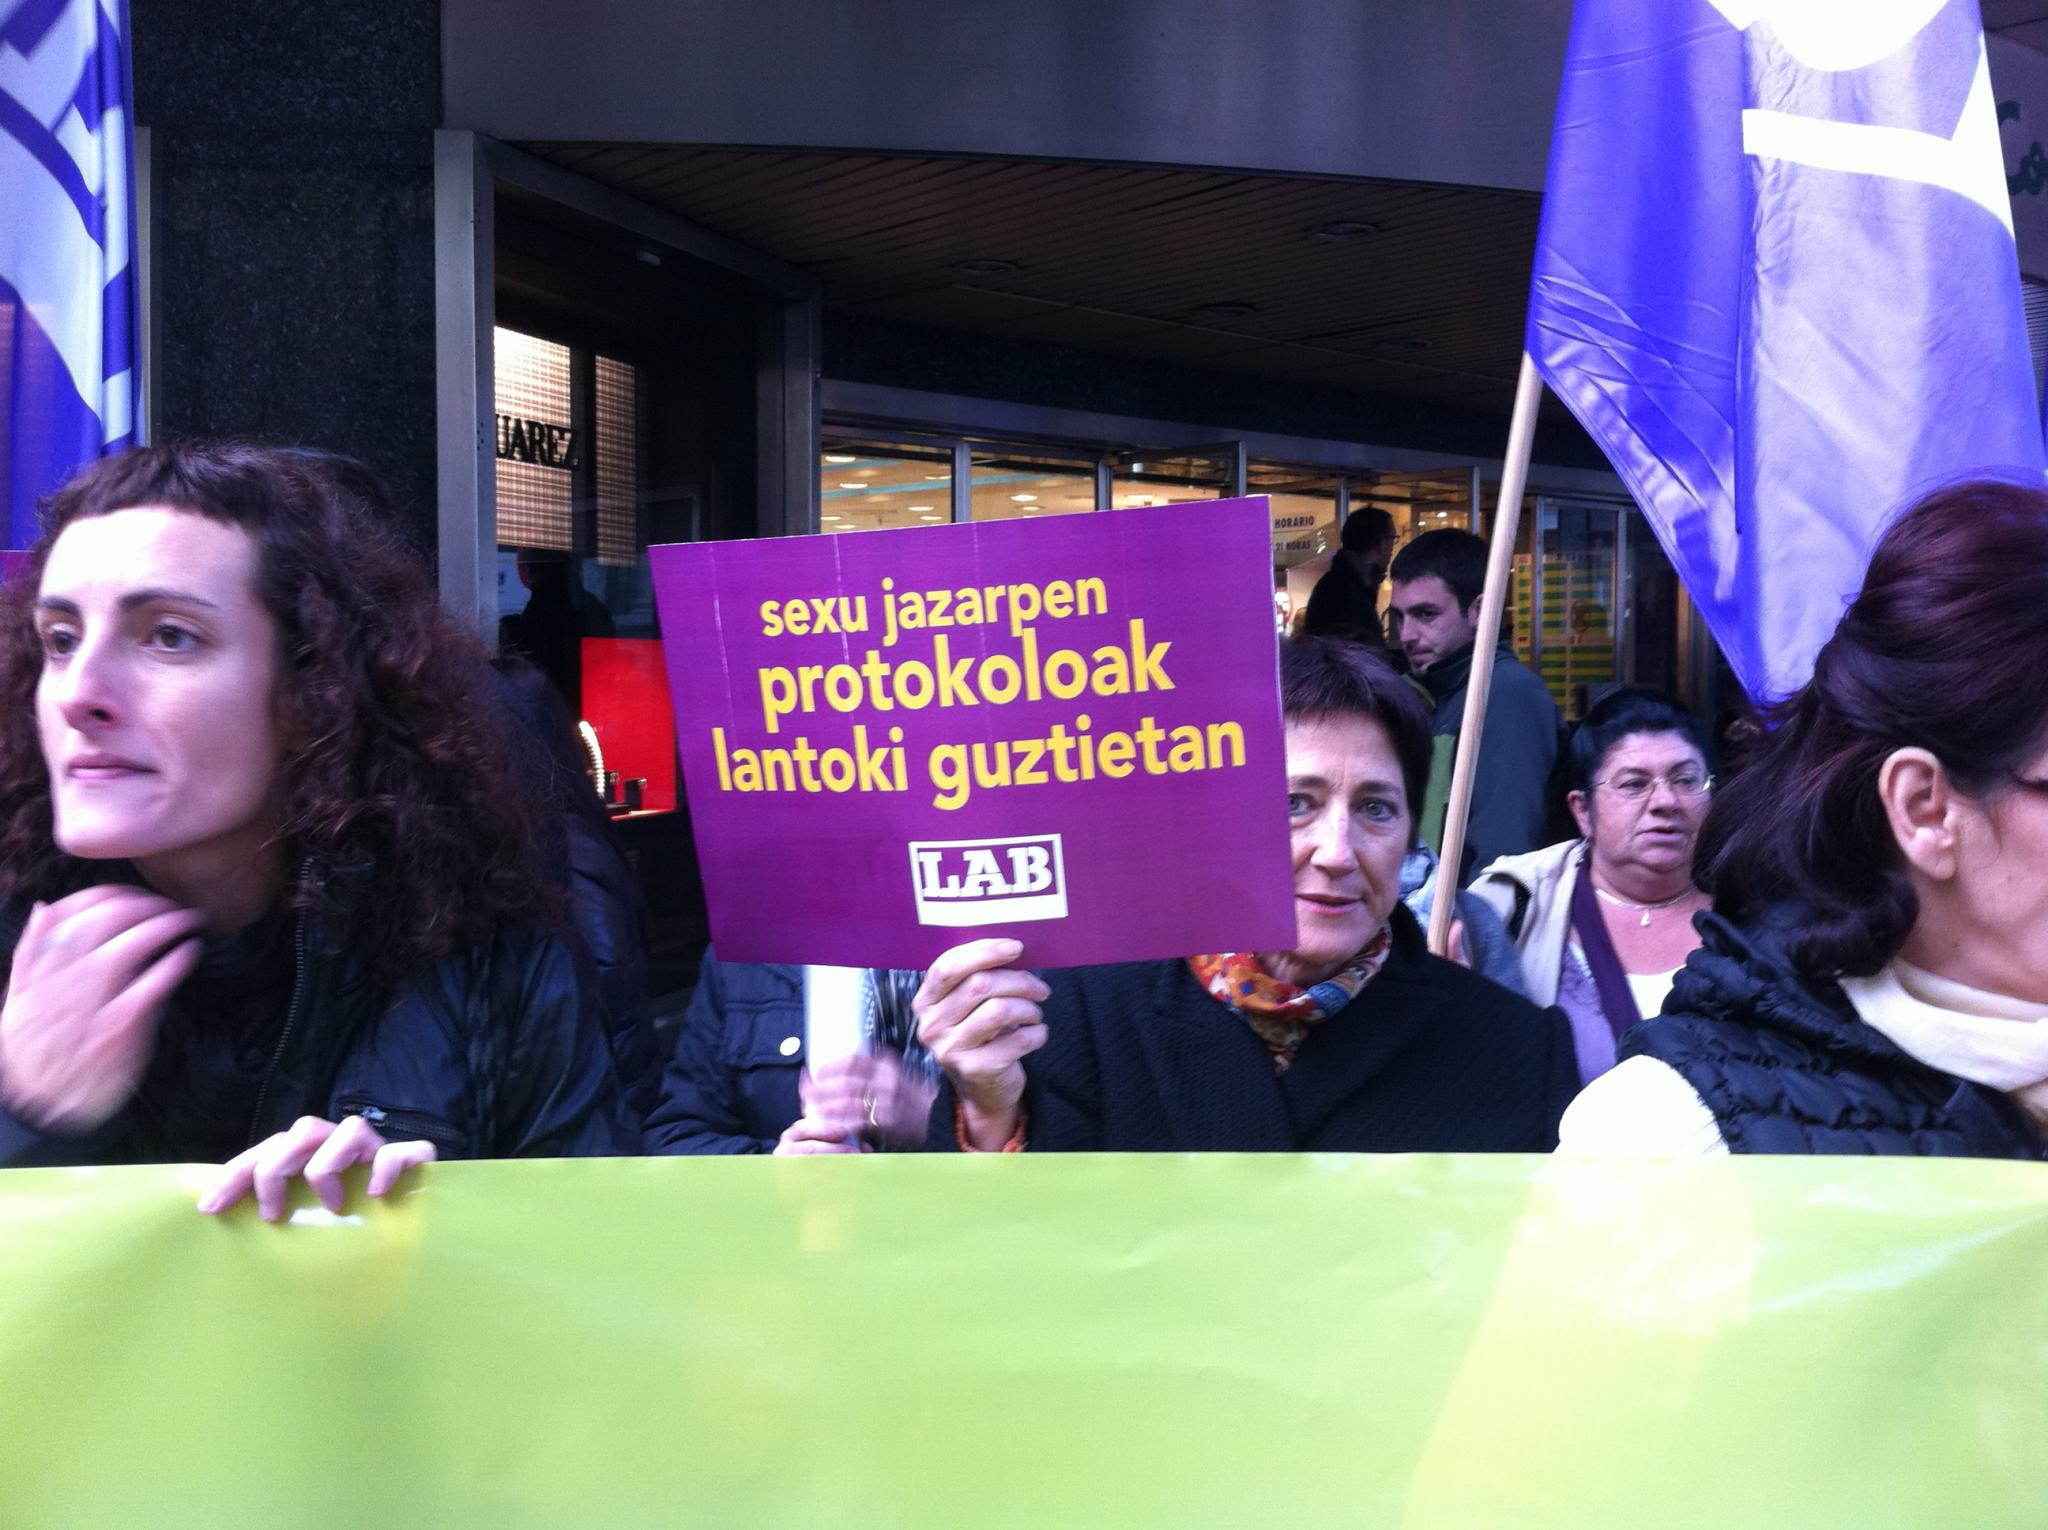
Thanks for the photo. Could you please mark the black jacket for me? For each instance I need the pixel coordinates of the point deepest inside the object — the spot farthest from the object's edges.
(608, 917)
(731, 1086)
(493, 1053)
(1429, 1058)
(1340, 606)
(1786, 1066)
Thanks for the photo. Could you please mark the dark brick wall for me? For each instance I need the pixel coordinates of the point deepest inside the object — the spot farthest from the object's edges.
(294, 227)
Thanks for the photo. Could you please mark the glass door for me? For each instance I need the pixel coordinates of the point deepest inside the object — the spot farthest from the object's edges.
(1574, 602)
(1176, 474)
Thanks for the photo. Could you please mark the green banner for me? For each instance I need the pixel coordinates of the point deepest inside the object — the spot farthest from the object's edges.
(1043, 1341)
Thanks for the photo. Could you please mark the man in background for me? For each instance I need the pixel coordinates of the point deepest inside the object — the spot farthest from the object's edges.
(1346, 601)
(1439, 579)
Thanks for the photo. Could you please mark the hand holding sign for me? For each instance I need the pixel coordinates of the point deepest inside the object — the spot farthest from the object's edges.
(980, 1019)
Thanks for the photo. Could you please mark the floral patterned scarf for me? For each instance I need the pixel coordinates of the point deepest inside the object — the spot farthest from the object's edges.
(1280, 1013)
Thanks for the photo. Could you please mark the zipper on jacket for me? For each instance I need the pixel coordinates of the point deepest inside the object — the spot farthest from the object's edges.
(291, 1016)
(405, 1125)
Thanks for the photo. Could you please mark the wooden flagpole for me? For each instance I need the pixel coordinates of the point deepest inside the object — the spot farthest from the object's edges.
(1507, 515)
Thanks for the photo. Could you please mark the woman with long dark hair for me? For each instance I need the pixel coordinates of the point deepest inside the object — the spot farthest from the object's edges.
(268, 892)
(1874, 975)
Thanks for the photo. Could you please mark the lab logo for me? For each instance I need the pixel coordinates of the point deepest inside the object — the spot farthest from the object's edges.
(965, 882)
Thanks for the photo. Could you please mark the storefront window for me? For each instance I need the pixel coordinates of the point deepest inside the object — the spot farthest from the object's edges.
(574, 596)
(1165, 478)
(620, 536)
(1655, 617)
(536, 444)
(1304, 532)
(1577, 618)
(1021, 485)
(1417, 502)
(1576, 614)
(871, 485)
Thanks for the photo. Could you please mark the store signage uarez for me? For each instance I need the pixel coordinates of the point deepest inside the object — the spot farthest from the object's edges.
(900, 740)
(537, 442)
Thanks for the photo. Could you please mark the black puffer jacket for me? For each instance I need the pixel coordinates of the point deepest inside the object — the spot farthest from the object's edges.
(493, 1053)
(1786, 1066)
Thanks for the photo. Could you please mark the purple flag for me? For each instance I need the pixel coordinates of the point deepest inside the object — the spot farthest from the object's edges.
(68, 371)
(1065, 730)
(1776, 282)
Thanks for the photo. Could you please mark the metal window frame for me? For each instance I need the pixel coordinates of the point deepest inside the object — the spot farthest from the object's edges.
(146, 315)
(469, 168)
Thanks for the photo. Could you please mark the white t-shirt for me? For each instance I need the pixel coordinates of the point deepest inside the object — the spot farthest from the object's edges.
(1650, 989)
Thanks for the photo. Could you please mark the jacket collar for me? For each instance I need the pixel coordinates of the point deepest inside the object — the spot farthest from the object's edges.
(1214, 1074)
(1749, 966)
(1448, 676)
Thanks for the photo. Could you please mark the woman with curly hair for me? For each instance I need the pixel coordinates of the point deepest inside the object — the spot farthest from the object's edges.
(269, 894)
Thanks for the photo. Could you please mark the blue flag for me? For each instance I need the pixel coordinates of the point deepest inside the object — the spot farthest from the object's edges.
(68, 365)
(1776, 282)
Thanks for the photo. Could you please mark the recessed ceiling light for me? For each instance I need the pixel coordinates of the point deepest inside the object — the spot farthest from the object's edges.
(917, 508)
(831, 520)
(841, 457)
(936, 477)
(1229, 310)
(928, 517)
(853, 483)
(1347, 228)
(986, 267)
(1024, 499)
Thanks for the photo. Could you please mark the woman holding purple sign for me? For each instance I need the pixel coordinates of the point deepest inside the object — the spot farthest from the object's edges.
(1355, 1040)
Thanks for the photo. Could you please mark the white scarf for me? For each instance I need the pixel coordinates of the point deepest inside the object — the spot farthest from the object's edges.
(1987, 1038)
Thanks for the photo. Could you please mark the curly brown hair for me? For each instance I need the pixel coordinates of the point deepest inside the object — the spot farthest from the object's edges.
(394, 757)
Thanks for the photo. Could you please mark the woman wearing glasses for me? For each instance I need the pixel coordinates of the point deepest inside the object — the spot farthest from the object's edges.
(1604, 922)
(1874, 975)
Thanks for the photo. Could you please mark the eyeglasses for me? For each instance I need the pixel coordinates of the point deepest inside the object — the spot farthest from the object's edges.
(1637, 785)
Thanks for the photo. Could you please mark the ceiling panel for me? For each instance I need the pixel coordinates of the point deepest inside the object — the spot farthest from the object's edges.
(1420, 295)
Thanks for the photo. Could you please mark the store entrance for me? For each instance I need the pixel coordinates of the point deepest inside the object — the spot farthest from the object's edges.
(643, 384)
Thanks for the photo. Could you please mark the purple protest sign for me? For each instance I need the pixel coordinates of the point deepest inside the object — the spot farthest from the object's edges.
(1065, 730)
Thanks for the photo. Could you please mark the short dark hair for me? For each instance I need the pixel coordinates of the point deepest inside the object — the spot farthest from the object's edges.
(1366, 528)
(1624, 714)
(1456, 557)
(1945, 648)
(1323, 677)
